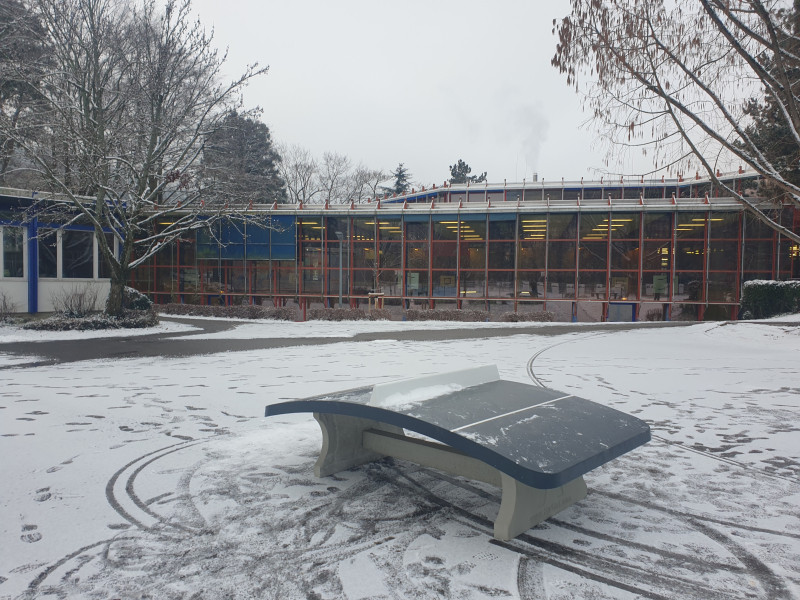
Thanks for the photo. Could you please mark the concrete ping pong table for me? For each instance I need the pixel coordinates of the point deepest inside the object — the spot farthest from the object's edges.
(534, 443)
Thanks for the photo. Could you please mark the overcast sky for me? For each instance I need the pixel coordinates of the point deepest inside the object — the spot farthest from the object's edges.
(422, 82)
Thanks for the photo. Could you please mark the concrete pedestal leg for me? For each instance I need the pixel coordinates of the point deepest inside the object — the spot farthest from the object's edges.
(522, 506)
(342, 446)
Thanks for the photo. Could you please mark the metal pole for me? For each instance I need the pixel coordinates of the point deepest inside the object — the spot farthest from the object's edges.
(340, 236)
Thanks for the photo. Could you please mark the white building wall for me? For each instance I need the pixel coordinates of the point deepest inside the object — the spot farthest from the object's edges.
(51, 289)
(15, 292)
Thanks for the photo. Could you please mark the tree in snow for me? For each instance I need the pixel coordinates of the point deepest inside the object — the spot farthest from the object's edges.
(366, 183)
(300, 170)
(460, 173)
(402, 180)
(241, 157)
(333, 178)
(127, 96)
(768, 130)
(18, 95)
(670, 77)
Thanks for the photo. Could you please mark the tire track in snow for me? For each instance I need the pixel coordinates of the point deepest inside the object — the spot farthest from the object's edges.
(770, 581)
(677, 444)
(148, 518)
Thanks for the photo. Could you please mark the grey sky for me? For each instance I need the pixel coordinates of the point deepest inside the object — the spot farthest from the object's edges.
(423, 82)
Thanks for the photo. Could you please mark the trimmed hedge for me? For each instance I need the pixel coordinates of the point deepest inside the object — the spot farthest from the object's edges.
(762, 298)
(347, 314)
(131, 319)
(239, 311)
(446, 315)
(249, 311)
(541, 316)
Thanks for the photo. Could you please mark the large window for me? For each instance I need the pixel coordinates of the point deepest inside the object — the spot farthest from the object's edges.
(13, 251)
(48, 253)
(77, 254)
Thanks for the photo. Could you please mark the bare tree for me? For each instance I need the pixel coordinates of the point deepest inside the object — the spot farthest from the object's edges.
(365, 183)
(300, 171)
(128, 96)
(334, 177)
(673, 78)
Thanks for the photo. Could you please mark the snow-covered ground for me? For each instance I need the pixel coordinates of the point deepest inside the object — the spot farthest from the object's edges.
(161, 479)
(10, 334)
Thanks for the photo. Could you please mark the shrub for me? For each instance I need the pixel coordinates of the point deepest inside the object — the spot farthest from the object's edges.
(131, 319)
(380, 314)
(336, 314)
(7, 308)
(654, 314)
(347, 314)
(762, 299)
(75, 302)
(446, 315)
(135, 300)
(241, 311)
(540, 316)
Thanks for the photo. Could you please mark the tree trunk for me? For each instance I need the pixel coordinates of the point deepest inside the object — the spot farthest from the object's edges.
(115, 305)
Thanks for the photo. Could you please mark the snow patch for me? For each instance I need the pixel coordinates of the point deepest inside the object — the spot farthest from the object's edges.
(404, 400)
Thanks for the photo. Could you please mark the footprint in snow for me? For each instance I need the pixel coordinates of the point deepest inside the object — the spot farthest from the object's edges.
(29, 534)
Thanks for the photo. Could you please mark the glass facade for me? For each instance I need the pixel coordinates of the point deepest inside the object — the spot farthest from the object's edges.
(601, 251)
(579, 264)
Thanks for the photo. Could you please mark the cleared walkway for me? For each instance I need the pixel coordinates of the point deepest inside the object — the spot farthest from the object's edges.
(172, 344)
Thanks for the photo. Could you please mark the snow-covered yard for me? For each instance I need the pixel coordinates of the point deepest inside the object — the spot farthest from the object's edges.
(142, 478)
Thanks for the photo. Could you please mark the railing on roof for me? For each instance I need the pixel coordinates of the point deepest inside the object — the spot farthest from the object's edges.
(450, 197)
(553, 205)
(460, 196)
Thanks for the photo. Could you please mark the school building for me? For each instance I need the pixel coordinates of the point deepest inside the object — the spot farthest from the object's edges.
(620, 251)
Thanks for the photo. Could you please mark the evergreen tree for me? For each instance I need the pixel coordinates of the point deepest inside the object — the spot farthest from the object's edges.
(402, 180)
(669, 79)
(21, 47)
(460, 173)
(241, 154)
(769, 130)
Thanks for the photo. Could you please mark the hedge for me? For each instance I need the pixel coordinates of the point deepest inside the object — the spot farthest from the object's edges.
(762, 299)
(130, 319)
(237, 311)
(347, 314)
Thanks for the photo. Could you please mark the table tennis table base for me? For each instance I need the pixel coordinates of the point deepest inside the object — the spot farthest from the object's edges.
(351, 441)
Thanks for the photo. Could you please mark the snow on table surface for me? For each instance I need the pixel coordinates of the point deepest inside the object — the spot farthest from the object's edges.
(138, 478)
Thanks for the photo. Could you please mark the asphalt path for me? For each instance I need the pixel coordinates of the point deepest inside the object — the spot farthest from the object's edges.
(177, 344)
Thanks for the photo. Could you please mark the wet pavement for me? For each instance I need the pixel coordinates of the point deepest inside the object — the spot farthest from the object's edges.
(184, 343)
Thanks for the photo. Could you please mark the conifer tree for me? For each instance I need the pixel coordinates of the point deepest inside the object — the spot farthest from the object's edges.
(402, 180)
(460, 173)
(241, 154)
